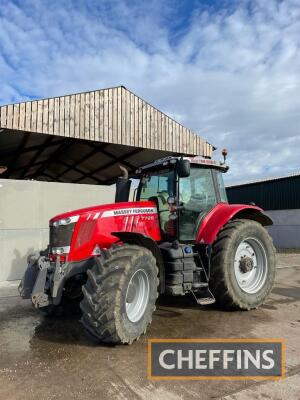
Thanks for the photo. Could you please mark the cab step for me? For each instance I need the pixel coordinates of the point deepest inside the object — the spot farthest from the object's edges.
(204, 297)
(200, 285)
(204, 301)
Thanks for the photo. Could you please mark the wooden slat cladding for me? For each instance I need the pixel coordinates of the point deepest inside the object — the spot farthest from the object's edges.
(51, 116)
(16, 116)
(113, 115)
(22, 117)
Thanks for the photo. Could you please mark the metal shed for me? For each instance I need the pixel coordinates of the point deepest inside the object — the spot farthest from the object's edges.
(280, 197)
(82, 138)
(278, 193)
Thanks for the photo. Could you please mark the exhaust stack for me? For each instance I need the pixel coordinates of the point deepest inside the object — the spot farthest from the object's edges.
(123, 185)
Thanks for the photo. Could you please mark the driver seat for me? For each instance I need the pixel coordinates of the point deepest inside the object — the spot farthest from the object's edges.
(163, 209)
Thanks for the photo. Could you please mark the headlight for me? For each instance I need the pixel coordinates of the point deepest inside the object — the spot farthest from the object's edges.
(66, 221)
(61, 250)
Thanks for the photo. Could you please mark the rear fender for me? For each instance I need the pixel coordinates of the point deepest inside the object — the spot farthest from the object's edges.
(145, 241)
(222, 213)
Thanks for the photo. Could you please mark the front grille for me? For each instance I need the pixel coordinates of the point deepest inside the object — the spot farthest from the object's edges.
(61, 235)
(85, 232)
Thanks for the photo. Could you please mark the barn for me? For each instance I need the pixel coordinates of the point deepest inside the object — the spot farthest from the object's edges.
(62, 153)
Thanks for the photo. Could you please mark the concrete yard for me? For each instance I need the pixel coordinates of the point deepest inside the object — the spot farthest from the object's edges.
(45, 358)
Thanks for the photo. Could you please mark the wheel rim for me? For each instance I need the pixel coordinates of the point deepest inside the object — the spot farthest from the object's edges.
(250, 265)
(137, 295)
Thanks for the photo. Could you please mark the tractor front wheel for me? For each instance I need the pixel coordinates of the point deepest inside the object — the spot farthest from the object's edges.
(243, 265)
(120, 294)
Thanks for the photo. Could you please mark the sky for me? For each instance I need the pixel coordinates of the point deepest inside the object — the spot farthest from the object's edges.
(228, 70)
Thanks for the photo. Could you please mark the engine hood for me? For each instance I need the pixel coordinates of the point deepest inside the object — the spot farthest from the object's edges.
(99, 209)
(94, 227)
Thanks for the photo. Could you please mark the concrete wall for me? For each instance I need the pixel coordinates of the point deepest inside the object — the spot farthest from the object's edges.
(286, 229)
(25, 209)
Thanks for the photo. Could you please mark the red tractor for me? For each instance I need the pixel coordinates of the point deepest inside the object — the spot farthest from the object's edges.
(178, 236)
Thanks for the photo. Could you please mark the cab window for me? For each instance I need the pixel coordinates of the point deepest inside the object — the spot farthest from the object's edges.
(221, 187)
(197, 196)
(158, 186)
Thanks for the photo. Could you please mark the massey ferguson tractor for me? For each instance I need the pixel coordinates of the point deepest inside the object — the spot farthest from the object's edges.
(178, 236)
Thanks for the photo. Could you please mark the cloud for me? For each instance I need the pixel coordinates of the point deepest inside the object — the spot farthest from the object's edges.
(230, 73)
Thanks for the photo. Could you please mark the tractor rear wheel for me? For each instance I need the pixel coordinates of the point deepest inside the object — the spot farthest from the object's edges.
(243, 265)
(120, 294)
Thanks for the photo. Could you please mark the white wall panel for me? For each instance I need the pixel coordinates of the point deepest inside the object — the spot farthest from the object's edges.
(25, 209)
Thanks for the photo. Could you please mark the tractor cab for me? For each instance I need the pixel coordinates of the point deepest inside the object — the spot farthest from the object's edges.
(185, 190)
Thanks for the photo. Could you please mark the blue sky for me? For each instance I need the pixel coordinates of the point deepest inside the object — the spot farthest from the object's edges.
(229, 70)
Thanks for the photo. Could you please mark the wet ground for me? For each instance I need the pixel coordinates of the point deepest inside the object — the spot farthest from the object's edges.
(45, 358)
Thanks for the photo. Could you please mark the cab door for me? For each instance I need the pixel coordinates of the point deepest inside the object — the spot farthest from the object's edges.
(159, 186)
(197, 196)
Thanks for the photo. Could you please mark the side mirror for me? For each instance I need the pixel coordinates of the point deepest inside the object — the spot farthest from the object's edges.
(183, 168)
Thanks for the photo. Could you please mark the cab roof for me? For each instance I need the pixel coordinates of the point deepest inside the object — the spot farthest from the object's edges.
(171, 160)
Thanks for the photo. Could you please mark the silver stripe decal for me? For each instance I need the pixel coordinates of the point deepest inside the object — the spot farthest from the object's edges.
(96, 215)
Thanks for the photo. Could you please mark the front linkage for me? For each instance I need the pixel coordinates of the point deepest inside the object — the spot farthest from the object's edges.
(44, 282)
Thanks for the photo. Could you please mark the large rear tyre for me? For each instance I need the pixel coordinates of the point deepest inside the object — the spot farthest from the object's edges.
(243, 265)
(120, 294)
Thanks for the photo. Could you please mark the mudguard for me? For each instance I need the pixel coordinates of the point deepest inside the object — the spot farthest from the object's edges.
(149, 243)
(222, 213)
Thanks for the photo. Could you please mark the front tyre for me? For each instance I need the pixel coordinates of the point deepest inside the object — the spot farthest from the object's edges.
(120, 294)
(243, 265)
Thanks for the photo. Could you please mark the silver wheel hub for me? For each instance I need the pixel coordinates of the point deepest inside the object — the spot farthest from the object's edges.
(137, 295)
(246, 264)
(250, 265)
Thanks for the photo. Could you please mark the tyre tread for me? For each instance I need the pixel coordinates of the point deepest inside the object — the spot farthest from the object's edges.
(100, 291)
